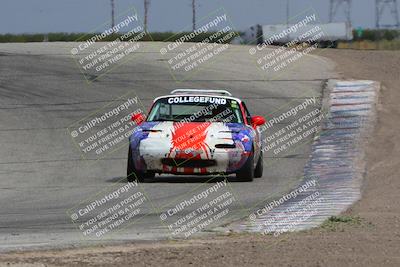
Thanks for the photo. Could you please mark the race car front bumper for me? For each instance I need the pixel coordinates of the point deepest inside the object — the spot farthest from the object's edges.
(190, 162)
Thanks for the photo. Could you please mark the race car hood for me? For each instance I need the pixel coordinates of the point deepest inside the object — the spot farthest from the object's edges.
(191, 135)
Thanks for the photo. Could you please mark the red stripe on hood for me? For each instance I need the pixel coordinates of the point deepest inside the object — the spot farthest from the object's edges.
(190, 135)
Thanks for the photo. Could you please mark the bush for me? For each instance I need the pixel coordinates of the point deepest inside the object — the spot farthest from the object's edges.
(377, 35)
(73, 37)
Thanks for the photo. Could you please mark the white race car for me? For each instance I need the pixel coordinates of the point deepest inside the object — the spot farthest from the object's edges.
(196, 132)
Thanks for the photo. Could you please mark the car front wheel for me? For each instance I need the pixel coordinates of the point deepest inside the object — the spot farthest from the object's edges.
(246, 173)
(132, 174)
(258, 172)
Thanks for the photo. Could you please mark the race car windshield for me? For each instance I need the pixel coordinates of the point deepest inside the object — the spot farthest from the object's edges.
(196, 109)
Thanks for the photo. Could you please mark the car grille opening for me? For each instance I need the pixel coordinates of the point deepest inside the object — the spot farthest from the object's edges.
(225, 146)
(189, 163)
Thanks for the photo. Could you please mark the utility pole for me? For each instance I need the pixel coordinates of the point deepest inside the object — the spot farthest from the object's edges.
(380, 6)
(334, 7)
(112, 14)
(287, 19)
(146, 11)
(194, 14)
(287, 13)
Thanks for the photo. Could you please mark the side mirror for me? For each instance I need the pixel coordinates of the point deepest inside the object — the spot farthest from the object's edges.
(138, 118)
(257, 120)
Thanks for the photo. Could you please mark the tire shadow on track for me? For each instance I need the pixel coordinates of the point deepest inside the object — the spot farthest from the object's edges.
(184, 179)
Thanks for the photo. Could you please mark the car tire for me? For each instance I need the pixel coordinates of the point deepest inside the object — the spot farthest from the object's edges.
(150, 175)
(258, 171)
(131, 173)
(246, 173)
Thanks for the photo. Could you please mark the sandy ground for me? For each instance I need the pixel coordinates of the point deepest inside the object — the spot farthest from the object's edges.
(374, 240)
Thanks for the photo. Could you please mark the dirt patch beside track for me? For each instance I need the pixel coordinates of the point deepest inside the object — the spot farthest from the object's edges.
(367, 235)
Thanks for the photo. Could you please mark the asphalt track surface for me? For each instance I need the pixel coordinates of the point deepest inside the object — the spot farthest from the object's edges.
(42, 174)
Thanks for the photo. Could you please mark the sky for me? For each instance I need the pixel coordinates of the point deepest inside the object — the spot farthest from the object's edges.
(41, 16)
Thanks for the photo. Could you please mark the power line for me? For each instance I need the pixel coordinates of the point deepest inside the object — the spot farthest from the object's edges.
(146, 11)
(194, 14)
(112, 14)
(334, 9)
(380, 6)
